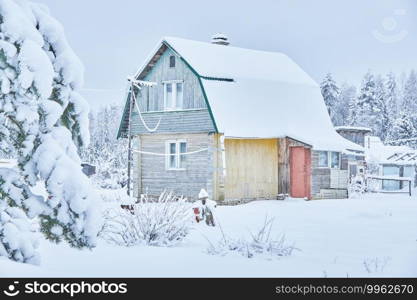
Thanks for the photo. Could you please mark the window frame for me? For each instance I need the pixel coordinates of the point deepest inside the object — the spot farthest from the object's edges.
(318, 161)
(174, 92)
(173, 59)
(177, 154)
(408, 167)
(329, 160)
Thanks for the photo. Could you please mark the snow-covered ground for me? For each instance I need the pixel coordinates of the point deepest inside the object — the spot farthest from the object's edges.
(373, 236)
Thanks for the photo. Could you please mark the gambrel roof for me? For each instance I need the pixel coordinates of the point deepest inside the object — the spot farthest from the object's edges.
(257, 94)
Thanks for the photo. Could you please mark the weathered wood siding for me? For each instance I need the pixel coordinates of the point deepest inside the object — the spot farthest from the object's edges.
(338, 179)
(174, 122)
(152, 98)
(152, 177)
(328, 183)
(357, 137)
(251, 169)
(284, 145)
(219, 171)
(194, 117)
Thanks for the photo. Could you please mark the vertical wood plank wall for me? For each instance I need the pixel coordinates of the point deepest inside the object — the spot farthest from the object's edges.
(322, 185)
(194, 117)
(284, 145)
(192, 94)
(251, 168)
(218, 168)
(152, 177)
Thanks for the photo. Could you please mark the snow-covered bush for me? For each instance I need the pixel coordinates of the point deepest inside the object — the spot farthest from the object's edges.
(260, 243)
(161, 222)
(43, 119)
(375, 265)
(357, 186)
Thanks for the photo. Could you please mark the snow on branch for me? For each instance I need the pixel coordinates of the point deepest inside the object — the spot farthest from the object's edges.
(47, 123)
(161, 222)
(260, 243)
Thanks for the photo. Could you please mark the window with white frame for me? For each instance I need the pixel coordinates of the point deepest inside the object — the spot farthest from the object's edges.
(323, 159)
(176, 154)
(173, 95)
(335, 160)
(329, 159)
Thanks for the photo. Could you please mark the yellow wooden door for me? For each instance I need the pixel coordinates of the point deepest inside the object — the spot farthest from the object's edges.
(251, 168)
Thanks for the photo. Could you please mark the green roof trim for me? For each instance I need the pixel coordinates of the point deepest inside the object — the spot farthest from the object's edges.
(199, 81)
(217, 78)
(199, 77)
(125, 110)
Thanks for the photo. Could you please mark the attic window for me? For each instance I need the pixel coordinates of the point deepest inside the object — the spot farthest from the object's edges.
(173, 95)
(172, 61)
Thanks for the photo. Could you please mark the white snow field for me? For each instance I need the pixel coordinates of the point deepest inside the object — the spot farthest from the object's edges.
(374, 236)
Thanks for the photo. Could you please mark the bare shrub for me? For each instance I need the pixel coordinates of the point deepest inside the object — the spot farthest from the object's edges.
(160, 222)
(259, 243)
(375, 265)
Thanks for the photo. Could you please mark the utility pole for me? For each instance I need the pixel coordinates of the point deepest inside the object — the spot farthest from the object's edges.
(129, 151)
(132, 82)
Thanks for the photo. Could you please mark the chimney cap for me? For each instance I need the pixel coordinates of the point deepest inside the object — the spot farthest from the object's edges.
(220, 39)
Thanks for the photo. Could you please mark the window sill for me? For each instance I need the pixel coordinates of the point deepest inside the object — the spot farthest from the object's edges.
(181, 169)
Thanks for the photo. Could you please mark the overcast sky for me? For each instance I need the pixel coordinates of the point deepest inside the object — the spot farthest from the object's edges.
(344, 37)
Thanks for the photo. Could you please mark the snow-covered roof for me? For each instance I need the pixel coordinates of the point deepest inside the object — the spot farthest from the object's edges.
(218, 61)
(378, 153)
(260, 94)
(353, 128)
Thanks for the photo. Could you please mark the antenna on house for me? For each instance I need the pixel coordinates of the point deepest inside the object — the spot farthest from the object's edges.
(220, 39)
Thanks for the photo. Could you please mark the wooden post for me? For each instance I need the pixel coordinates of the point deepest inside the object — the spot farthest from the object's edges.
(409, 187)
(129, 151)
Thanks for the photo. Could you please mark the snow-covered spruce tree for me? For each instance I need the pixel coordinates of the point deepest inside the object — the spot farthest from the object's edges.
(381, 115)
(409, 103)
(347, 97)
(365, 101)
(70, 76)
(392, 97)
(353, 111)
(37, 68)
(371, 104)
(402, 129)
(330, 92)
(18, 239)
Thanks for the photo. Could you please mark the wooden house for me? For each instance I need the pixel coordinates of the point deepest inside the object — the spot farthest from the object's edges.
(243, 124)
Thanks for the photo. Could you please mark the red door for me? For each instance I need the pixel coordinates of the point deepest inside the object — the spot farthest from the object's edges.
(300, 172)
